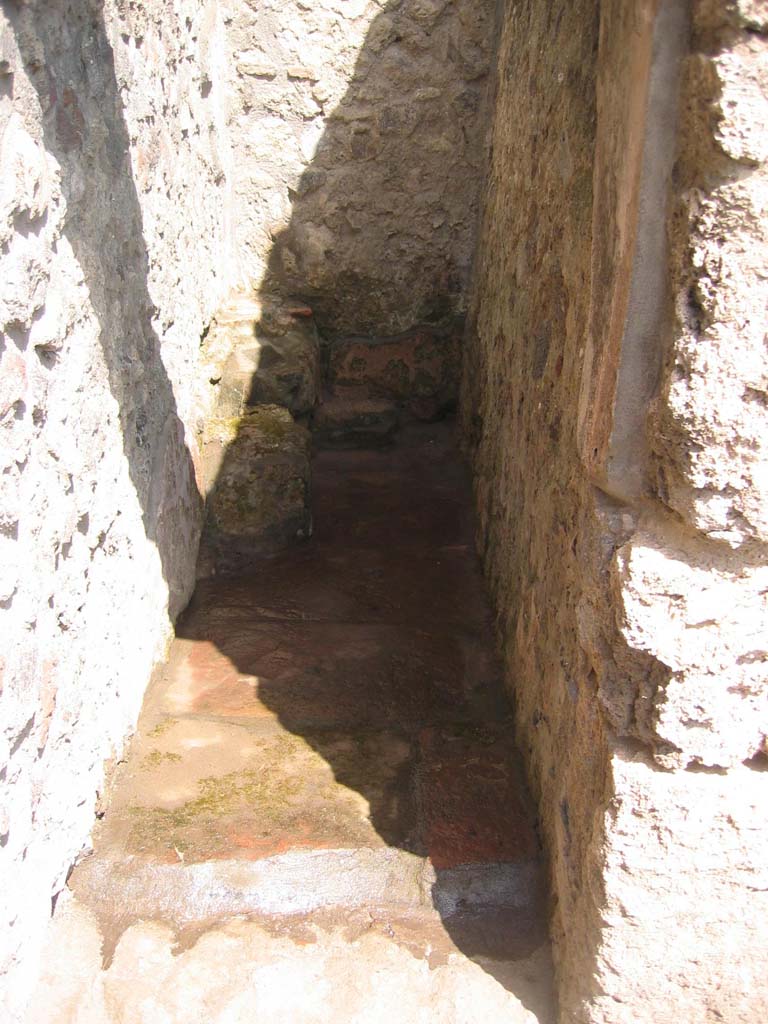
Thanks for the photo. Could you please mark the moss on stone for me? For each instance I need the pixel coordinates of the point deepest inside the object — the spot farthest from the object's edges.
(162, 727)
(156, 758)
(223, 428)
(266, 793)
(273, 421)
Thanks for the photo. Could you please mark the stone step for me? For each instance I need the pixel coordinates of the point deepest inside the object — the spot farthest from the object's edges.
(302, 882)
(221, 811)
(319, 675)
(229, 765)
(409, 497)
(331, 965)
(354, 421)
(325, 582)
(326, 767)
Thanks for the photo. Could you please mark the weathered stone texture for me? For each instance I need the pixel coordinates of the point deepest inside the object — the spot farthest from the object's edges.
(257, 355)
(710, 437)
(242, 969)
(261, 495)
(419, 369)
(352, 421)
(527, 323)
(360, 133)
(618, 436)
(113, 228)
(690, 586)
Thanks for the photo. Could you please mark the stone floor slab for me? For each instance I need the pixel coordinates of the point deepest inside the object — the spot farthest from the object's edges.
(209, 790)
(328, 675)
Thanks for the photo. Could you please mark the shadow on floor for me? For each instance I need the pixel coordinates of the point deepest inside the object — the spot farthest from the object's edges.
(360, 664)
(371, 647)
(370, 644)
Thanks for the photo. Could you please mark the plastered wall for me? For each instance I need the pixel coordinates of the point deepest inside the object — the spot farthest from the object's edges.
(155, 156)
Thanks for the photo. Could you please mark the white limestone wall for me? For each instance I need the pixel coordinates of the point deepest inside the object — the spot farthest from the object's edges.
(114, 253)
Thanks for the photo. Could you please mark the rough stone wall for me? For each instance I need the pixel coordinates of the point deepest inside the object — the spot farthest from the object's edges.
(614, 403)
(526, 328)
(359, 127)
(115, 253)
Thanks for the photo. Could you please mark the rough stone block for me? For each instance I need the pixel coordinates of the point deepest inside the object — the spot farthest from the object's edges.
(277, 364)
(419, 369)
(628, 585)
(260, 497)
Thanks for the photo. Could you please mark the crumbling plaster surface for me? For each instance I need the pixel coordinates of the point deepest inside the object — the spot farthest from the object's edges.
(628, 566)
(359, 127)
(115, 253)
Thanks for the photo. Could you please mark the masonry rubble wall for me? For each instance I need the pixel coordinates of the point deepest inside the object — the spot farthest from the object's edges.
(115, 234)
(359, 127)
(614, 405)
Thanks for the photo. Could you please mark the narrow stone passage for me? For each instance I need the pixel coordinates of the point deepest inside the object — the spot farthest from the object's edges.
(329, 754)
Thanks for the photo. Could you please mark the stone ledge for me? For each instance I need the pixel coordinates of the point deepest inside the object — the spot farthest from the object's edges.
(298, 882)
